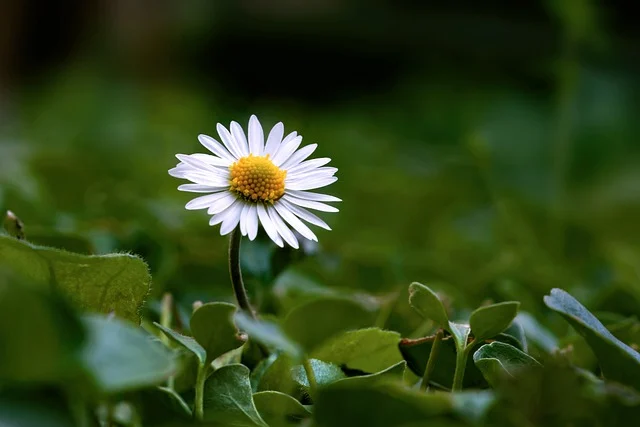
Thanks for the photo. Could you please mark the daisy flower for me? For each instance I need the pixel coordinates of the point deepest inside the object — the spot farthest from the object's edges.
(250, 182)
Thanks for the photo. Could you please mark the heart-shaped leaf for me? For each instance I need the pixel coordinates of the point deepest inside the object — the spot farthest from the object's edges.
(120, 357)
(428, 304)
(269, 334)
(348, 404)
(107, 283)
(212, 327)
(497, 360)
(312, 323)
(368, 350)
(618, 361)
(185, 342)
(279, 409)
(228, 399)
(487, 322)
(325, 373)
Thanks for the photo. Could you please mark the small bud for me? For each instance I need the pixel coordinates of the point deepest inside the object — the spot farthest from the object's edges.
(196, 305)
(14, 226)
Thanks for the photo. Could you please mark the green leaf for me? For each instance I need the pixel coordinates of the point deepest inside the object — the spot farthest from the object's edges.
(473, 406)
(487, 322)
(120, 357)
(514, 335)
(268, 333)
(279, 409)
(185, 342)
(416, 353)
(314, 322)
(277, 376)
(618, 361)
(460, 333)
(39, 334)
(18, 411)
(212, 327)
(536, 333)
(326, 373)
(348, 404)
(161, 404)
(368, 350)
(107, 283)
(497, 360)
(427, 303)
(228, 399)
(392, 373)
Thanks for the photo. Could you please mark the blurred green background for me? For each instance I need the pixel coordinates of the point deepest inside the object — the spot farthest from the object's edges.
(491, 147)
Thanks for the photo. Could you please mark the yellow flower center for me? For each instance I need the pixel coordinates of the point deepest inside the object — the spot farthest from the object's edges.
(256, 178)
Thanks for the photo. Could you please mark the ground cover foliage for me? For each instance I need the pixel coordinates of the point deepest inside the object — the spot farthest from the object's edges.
(82, 354)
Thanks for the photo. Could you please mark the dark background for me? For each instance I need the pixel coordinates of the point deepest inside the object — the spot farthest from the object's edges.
(490, 146)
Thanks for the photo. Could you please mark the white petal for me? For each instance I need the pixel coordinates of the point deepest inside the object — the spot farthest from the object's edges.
(202, 178)
(295, 222)
(299, 156)
(203, 167)
(309, 165)
(234, 209)
(310, 185)
(206, 201)
(198, 188)
(252, 222)
(268, 225)
(282, 228)
(212, 160)
(221, 204)
(305, 214)
(306, 195)
(274, 139)
(215, 147)
(229, 224)
(256, 136)
(310, 204)
(313, 175)
(229, 141)
(241, 139)
(243, 219)
(285, 151)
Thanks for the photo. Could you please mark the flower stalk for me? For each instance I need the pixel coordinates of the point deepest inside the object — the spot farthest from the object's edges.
(236, 273)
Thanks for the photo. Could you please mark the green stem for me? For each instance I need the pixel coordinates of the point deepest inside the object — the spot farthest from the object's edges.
(80, 411)
(431, 363)
(198, 404)
(461, 366)
(236, 272)
(166, 318)
(311, 376)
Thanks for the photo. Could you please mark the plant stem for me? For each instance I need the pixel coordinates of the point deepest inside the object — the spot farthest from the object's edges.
(461, 365)
(198, 404)
(166, 318)
(236, 272)
(431, 363)
(311, 376)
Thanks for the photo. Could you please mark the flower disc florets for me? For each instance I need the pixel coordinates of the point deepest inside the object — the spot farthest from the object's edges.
(257, 179)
